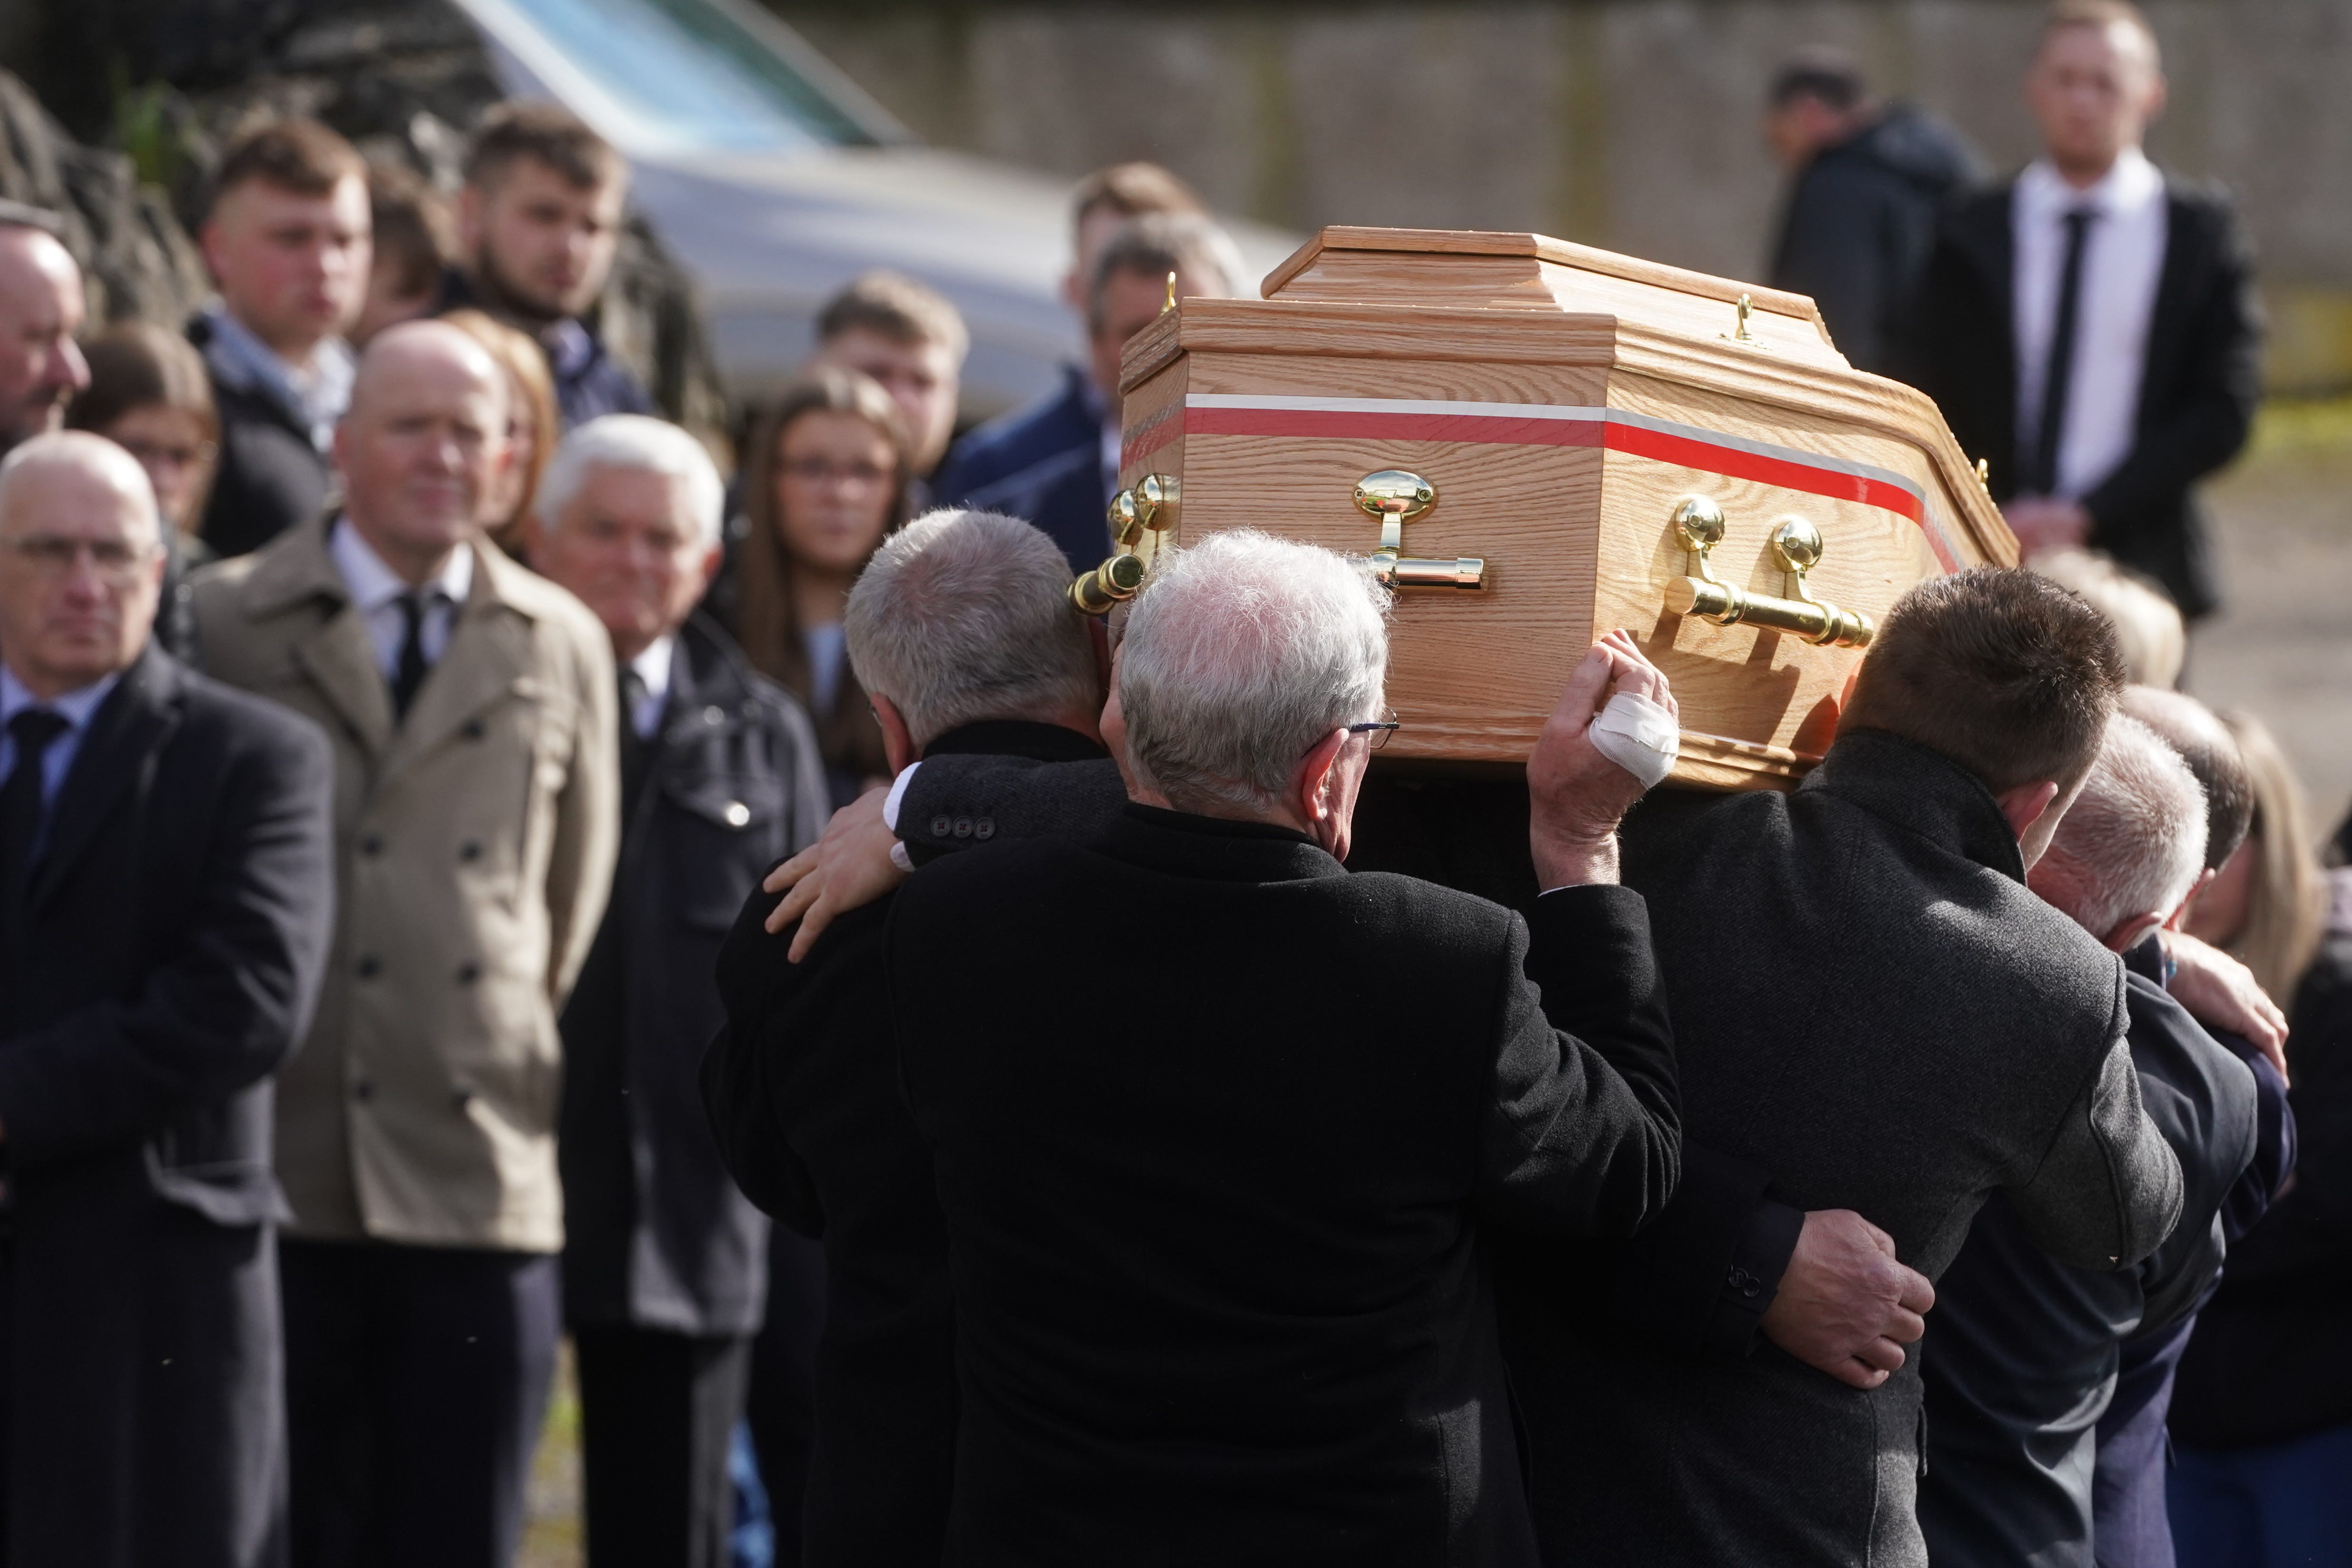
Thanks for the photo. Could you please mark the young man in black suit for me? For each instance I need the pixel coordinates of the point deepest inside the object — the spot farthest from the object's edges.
(2090, 328)
(664, 1277)
(165, 883)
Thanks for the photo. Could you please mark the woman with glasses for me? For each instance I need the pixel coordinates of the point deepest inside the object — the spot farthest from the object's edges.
(825, 481)
(148, 393)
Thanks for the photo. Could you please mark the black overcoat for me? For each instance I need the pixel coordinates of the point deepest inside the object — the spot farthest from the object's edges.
(656, 1235)
(1212, 1210)
(176, 934)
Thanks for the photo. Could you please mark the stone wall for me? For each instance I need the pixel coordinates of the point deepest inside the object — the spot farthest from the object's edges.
(1628, 124)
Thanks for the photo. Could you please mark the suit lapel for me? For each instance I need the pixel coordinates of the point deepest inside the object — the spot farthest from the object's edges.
(340, 660)
(2177, 284)
(126, 733)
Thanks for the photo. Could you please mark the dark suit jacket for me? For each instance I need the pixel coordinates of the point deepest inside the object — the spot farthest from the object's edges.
(655, 1233)
(268, 478)
(2023, 1352)
(2272, 1357)
(1217, 1294)
(177, 928)
(801, 1087)
(2197, 389)
(1043, 464)
(1871, 1006)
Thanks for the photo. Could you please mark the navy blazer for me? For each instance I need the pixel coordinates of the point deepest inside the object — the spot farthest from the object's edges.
(1041, 464)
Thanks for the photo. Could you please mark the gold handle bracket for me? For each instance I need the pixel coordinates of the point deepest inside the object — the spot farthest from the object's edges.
(1396, 498)
(1150, 507)
(1798, 545)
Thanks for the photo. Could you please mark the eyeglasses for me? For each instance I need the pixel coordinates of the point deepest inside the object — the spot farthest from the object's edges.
(818, 471)
(54, 555)
(1380, 729)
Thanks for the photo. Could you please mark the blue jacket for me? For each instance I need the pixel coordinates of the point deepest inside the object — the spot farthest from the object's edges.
(1044, 464)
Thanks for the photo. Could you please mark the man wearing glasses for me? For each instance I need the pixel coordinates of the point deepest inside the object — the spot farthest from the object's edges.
(165, 888)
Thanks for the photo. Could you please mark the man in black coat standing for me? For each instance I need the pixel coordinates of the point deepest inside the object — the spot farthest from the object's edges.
(2090, 328)
(1213, 1245)
(165, 884)
(1871, 1006)
(962, 633)
(664, 1259)
(2024, 1352)
(1865, 182)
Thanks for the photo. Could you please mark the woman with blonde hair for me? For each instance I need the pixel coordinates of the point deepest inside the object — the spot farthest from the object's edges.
(2261, 1410)
(825, 481)
(532, 428)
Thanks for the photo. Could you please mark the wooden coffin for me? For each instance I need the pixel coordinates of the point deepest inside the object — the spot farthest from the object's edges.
(1562, 403)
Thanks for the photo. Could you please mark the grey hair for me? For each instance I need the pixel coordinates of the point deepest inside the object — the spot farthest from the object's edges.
(1153, 245)
(2136, 836)
(643, 443)
(1241, 653)
(963, 615)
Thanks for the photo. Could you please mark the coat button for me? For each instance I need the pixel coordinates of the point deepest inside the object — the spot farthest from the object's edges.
(371, 845)
(473, 730)
(737, 813)
(963, 827)
(983, 828)
(363, 1091)
(942, 826)
(714, 715)
(468, 972)
(469, 851)
(369, 968)
(461, 1097)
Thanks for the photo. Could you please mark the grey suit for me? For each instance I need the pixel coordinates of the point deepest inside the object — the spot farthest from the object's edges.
(1871, 1006)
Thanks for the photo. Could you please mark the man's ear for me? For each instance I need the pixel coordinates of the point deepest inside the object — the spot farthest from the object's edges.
(2023, 805)
(2132, 931)
(2177, 919)
(714, 558)
(897, 740)
(208, 247)
(1310, 784)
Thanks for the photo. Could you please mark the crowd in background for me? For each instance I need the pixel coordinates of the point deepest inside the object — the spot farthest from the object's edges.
(396, 1081)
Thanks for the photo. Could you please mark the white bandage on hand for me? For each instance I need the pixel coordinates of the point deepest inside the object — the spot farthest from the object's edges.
(1637, 735)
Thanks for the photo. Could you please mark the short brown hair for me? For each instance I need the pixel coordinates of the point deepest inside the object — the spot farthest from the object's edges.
(1131, 190)
(546, 132)
(893, 306)
(1997, 668)
(299, 156)
(413, 231)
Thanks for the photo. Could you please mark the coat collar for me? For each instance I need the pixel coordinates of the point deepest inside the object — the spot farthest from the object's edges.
(490, 642)
(1923, 792)
(1216, 848)
(137, 717)
(1015, 738)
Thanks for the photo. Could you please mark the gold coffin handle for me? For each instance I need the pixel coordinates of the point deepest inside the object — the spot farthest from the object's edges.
(1150, 506)
(1797, 544)
(1396, 498)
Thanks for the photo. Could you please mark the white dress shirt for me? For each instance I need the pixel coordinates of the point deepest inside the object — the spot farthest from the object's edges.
(377, 589)
(77, 708)
(2123, 260)
(653, 671)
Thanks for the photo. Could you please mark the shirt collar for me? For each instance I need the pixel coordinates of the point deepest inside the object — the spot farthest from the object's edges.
(318, 394)
(2132, 184)
(570, 347)
(74, 707)
(654, 665)
(374, 584)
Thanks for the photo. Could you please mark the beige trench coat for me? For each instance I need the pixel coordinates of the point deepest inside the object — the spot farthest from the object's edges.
(474, 851)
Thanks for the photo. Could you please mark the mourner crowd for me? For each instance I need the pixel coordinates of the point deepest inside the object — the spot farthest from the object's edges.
(1061, 1156)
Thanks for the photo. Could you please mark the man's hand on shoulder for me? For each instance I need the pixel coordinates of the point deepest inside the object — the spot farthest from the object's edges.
(2222, 994)
(1576, 795)
(1846, 1306)
(846, 869)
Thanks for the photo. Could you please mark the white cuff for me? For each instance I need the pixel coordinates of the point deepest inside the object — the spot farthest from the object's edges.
(898, 793)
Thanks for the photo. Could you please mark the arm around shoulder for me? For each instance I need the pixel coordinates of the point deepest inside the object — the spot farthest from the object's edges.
(2108, 1189)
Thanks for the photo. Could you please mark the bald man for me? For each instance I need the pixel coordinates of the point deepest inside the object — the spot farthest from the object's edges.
(164, 887)
(472, 708)
(40, 313)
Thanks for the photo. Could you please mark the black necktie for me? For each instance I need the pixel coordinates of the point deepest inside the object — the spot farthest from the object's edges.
(2041, 478)
(408, 673)
(21, 802)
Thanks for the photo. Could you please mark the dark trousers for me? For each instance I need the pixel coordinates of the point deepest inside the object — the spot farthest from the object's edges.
(416, 1378)
(783, 1382)
(657, 1411)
